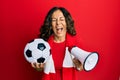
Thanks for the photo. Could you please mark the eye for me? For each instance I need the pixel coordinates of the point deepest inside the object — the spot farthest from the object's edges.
(62, 19)
(53, 20)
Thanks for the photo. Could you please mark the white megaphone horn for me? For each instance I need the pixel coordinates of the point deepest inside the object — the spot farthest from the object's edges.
(88, 59)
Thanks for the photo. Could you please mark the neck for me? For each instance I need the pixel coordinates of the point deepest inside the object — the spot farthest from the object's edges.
(59, 39)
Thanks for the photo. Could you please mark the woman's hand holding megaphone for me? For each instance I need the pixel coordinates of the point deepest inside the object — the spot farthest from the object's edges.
(78, 64)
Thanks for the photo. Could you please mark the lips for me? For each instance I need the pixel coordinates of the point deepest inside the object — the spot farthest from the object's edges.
(59, 30)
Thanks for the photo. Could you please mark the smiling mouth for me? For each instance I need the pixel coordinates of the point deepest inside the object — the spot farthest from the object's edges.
(59, 30)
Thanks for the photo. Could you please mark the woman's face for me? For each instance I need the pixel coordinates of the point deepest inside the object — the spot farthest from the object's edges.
(59, 24)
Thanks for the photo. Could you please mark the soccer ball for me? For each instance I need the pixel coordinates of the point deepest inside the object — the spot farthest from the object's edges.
(37, 50)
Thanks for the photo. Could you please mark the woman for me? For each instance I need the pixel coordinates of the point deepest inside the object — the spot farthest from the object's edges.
(58, 29)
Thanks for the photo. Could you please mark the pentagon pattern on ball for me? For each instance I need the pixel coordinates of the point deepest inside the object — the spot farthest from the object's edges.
(41, 46)
(41, 60)
(28, 53)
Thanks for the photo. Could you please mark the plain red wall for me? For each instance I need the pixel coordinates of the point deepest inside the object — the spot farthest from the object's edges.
(97, 23)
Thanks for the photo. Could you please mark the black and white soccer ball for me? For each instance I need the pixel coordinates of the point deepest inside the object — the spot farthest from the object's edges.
(37, 50)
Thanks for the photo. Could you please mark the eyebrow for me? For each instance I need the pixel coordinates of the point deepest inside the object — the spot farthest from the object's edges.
(60, 18)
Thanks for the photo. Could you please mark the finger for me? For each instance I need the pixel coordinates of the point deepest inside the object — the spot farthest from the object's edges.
(42, 65)
(37, 65)
(33, 65)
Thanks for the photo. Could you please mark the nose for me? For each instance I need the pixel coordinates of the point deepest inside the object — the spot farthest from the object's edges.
(57, 22)
(40, 60)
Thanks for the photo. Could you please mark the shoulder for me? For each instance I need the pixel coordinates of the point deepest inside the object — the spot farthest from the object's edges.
(70, 40)
(74, 41)
(50, 40)
(70, 37)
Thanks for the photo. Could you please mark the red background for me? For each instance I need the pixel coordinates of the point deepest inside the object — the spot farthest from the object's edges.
(97, 23)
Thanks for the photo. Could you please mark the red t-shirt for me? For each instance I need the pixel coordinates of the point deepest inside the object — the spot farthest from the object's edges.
(58, 53)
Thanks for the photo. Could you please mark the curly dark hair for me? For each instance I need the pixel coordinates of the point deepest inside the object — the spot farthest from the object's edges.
(46, 30)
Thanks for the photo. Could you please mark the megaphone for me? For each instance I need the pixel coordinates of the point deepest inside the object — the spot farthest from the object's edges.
(88, 59)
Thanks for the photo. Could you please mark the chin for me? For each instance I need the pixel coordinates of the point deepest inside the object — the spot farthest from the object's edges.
(60, 35)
